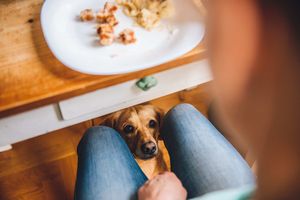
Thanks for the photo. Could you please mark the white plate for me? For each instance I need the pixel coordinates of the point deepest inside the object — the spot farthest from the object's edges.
(75, 43)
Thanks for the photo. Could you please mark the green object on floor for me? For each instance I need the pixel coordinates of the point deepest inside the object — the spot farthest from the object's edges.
(146, 83)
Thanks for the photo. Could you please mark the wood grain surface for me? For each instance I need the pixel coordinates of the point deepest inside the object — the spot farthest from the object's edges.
(30, 76)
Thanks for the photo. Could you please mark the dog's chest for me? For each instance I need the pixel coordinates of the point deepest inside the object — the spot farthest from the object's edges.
(156, 165)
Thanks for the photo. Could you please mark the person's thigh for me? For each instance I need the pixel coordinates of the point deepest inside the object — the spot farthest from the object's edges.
(106, 167)
(200, 156)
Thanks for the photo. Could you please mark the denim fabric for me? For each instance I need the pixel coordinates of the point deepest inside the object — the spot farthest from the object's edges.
(106, 167)
(200, 156)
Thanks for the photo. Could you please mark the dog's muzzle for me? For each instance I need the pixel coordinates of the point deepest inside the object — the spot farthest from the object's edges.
(149, 148)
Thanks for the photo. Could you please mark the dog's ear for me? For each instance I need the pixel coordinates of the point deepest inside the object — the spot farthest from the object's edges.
(111, 120)
(160, 113)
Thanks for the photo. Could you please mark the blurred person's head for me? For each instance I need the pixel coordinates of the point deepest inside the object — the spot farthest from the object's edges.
(254, 52)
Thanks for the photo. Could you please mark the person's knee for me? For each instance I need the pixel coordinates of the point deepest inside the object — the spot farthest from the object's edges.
(97, 132)
(184, 113)
(182, 109)
(98, 135)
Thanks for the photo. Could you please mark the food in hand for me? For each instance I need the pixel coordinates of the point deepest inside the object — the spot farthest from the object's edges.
(127, 36)
(87, 15)
(147, 13)
(106, 34)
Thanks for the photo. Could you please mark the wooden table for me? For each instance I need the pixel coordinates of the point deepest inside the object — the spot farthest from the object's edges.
(31, 77)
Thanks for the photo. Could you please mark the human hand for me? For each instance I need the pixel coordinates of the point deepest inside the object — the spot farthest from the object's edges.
(165, 186)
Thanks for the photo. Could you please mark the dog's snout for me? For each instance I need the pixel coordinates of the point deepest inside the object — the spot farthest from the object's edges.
(148, 148)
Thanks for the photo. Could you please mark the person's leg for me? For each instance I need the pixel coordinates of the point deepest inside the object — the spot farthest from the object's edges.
(106, 167)
(200, 156)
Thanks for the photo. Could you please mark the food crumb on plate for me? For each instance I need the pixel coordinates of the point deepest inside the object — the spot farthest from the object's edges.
(127, 36)
(107, 20)
(106, 34)
(87, 15)
(147, 13)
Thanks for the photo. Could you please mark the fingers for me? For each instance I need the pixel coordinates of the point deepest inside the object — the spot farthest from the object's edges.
(160, 179)
(162, 187)
(141, 190)
(166, 175)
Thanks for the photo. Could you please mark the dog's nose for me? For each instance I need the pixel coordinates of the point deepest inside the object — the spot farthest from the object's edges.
(149, 148)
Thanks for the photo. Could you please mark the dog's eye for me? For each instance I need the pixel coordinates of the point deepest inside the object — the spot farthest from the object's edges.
(152, 123)
(128, 129)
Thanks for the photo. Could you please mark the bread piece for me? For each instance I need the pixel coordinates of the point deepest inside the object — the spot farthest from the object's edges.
(104, 17)
(87, 15)
(148, 19)
(147, 13)
(110, 8)
(127, 36)
(106, 34)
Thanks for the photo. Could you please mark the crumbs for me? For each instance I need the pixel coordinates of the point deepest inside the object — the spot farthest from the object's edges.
(107, 21)
(147, 13)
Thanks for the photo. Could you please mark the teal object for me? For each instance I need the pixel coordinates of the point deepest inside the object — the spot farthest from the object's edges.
(241, 193)
(146, 83)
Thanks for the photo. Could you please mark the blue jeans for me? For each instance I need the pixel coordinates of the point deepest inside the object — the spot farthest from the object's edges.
(200, 156)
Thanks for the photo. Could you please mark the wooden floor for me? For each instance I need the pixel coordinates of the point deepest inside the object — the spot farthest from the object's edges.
(45, 167)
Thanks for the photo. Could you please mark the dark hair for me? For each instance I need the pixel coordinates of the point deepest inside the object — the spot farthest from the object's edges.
(290, 9)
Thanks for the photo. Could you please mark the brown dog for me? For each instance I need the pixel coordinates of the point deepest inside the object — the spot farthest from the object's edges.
(139, 126)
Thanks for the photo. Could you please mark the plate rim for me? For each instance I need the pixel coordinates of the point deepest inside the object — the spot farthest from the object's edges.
(127, 69)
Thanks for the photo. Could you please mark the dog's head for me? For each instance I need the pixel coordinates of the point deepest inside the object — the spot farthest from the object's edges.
(139, 126)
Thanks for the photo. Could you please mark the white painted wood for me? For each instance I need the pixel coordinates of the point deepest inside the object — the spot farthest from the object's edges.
(5, 148)
(190, 88)
(127, 93)
(48, 118)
